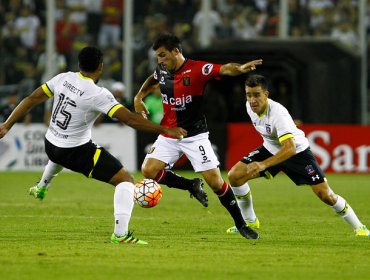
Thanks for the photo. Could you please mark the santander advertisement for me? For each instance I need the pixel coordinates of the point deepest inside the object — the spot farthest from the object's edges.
(338, 148)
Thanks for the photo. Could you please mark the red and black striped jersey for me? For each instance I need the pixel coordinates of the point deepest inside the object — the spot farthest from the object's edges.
(182, 94)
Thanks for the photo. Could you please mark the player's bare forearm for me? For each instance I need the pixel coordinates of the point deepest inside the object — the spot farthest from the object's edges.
(287, 150)
(148, 87)
(234, 69)
(138, 122)
(37, 97)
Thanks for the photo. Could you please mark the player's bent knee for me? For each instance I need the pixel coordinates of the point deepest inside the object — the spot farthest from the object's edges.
(121, 176)
(148, 172)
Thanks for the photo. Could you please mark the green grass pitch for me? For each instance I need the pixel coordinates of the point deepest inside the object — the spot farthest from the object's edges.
(66, 236)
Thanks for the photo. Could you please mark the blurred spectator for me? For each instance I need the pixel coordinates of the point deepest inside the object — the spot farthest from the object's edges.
(225, 30)
(317, 12)
(10, 34)
(298, 18)
(78, 10)
(94, 17)
(66, 31)
(58, 60)
(344, 32)
(27, 25)
(248, 23)
(214, 21)
(110, 29)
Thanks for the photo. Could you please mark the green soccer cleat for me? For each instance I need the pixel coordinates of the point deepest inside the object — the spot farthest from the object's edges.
(128, 238)
(253, 225)
(39, 192)
(362, 231)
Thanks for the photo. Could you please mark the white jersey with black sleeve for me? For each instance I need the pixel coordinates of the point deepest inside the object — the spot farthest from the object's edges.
(78, 101)
(275, 125)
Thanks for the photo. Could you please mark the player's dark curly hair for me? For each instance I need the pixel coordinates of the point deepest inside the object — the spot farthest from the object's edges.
(89, 58)
(167, 40)
(256, 80)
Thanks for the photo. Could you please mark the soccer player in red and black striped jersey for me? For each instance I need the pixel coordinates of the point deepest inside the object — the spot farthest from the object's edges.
(182, 82)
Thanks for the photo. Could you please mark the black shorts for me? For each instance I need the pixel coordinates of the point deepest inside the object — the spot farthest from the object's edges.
(302, 168)
(88, 159)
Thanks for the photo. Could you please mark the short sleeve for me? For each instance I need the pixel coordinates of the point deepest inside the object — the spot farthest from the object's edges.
(284, 125)
(106, 103)
(49, 86)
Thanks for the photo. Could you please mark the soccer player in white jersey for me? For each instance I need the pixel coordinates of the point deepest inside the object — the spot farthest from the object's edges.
(78, 101)
(285, 148)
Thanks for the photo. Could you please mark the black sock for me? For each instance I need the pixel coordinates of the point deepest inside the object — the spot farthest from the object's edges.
(227, 198)
(173, 180)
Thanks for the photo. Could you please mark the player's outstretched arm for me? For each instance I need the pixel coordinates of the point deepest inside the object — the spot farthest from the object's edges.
(138, 122)
(234, 69)
(37, 97)
(148, 87)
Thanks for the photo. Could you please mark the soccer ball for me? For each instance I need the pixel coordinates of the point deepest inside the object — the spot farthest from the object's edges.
(147, 193)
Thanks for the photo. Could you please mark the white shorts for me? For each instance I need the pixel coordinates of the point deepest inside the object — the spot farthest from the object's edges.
(198, 150)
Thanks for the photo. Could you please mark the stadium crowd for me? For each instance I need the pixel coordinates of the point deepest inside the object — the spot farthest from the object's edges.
(79, 23)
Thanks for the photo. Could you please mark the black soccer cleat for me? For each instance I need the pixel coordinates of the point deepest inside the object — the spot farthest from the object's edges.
(196, 190)
(248, 232)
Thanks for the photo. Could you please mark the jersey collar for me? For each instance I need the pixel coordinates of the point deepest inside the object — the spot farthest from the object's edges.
(84, 77)
(265, 111)
(182, 65)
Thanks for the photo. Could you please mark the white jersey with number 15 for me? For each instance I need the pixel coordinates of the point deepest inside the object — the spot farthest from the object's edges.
(78, 101)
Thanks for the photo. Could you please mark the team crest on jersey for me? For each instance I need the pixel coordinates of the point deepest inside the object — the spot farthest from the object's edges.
(155, 75)
(110, 98)
(186, 81)
(310, 170)
(268, 128)
(207, 69)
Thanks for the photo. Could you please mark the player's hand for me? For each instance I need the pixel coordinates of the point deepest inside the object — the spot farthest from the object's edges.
(3, 130)
(250, 66)
(255, 167)
(176, 132)
(140, 108)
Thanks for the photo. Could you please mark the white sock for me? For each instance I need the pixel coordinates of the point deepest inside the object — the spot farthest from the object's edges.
(342, 208)
(123, 205)
(51, 170)
(244, 198)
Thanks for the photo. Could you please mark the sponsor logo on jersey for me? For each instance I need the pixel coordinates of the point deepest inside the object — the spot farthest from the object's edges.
(72, 88)
(177, 101)
(187, 71)
(207, 69)
(186, 81)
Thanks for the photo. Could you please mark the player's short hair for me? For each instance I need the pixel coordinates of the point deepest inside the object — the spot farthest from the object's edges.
(167, 40)
(90, 58)
(256, 80)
